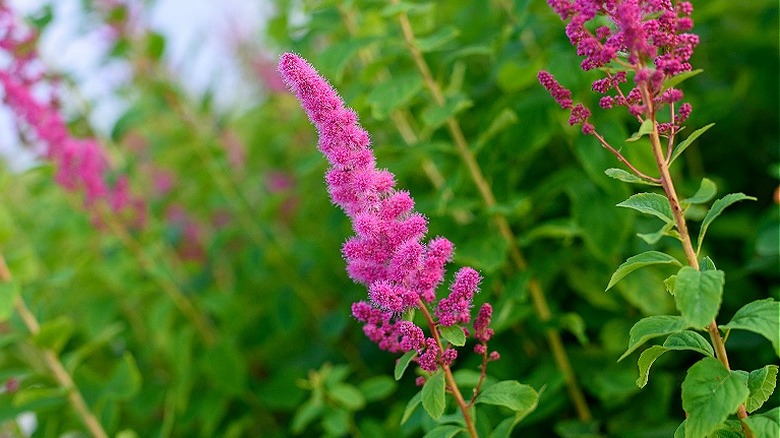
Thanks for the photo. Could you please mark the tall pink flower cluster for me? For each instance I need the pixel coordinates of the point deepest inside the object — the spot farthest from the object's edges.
(649, 38)
(82, 164)
(387, 253)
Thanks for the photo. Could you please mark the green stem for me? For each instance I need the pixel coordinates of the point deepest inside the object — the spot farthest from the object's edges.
(537, 296)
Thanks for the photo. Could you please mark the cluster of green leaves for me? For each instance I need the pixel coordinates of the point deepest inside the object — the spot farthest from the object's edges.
(265, 265)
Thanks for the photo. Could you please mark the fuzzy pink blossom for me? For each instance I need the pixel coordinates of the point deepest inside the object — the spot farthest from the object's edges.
(387, 254)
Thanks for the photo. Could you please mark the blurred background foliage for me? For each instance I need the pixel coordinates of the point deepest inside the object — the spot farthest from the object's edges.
(238, 217)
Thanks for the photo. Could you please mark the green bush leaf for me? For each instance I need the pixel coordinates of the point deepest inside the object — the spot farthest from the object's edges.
(347, 396)
(622, 175)
(437, 39)
(698, 295)
(710, 393)
(54, 334)
(433, 395)
(652, 327)
(125, 380)
(666, 230)
(639, 261)
(434, 116)
(446, 431)
(762, 317)
(392, 94)
(761, 383)
(765, 425)
(645, 128)
(305, 414)
(334, 58)
(411, 406)
(686, 340)
(402, 364)
(377, 387)
(453, 334)
(512, 394)
(678, 78)
(8, 293)
(707, 190)
(683, 145)
(716, 209)
(652, 204)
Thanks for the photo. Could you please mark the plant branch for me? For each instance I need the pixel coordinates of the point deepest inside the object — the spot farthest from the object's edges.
(537, 296)
(53, 363)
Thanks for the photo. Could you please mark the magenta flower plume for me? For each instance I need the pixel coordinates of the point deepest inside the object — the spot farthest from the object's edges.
(387, 253)
(82, 164)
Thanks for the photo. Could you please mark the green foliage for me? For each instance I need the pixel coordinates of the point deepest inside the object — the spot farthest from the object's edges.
(246, 232)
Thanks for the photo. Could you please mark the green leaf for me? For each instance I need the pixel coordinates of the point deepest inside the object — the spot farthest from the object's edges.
(652, 204)
(390, 95)
(645, 128)
(453, 334)
(334, 58)
(155, 45)
(666, 230)
(765, 425)
(686, 340)
(411, 406)
(407, 8)
(347, 396)
(305, 414)
(54, 334)
(761, 384)
(645, 361)
(716, 209)
(402, 364)
(436, 40)
(226, 368)
(762, 317)
(639, 261)
(377, 387)
(125, 380)
(433, 395)
(503, 120)
(678, 78)
(37, 397)
(710, 393)
(707, 190)
(512, 394)
(622, 175)
(682, 146)
(652, 327)
(698, 295)
(446, 431)
(486, 254)
(8, 293)
(434, 116)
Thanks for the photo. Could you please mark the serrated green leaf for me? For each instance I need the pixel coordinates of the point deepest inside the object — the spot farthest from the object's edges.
(453, 334)
(715, 211)
(445, 431)
(645, 128)
(666, 229)
(622, 175)
(710, 393)
(510, 393)
(762, 317)
(645, 361)
(54, 334)
(765, 425)
(651, 204)
(347, 396)
(685, 340)
(682, 146)
(652, 327)
(402, 364)
(698, 295)
(639, 261)
(707, 191)
(411, 406)
(706, 264)
(433, 400)
(678, 78)
(436, 40)
(8, 293)
(761, 383)
(392, 94)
